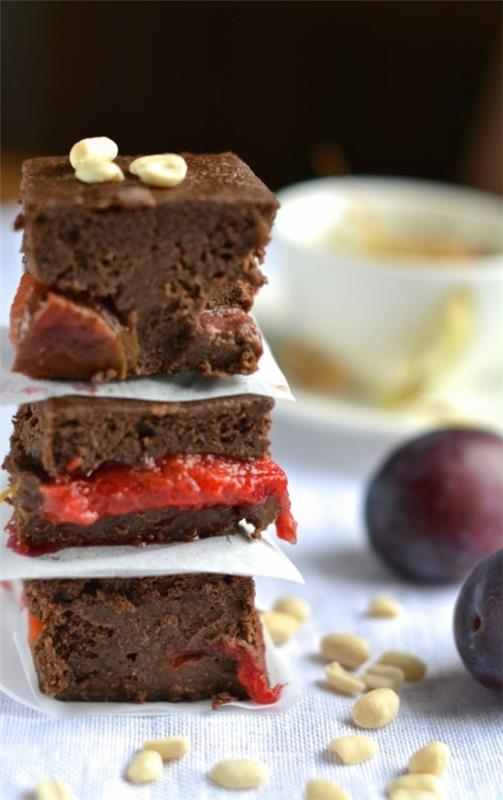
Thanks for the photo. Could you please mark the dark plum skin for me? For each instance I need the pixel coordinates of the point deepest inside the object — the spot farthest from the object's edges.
(434, 509)
(478, 622)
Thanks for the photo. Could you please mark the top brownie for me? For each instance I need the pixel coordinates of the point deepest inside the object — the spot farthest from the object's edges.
(167, 274)
(49, 184)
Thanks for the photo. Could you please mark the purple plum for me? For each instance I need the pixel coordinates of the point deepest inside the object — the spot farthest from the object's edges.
(434, 509)
(478, 622)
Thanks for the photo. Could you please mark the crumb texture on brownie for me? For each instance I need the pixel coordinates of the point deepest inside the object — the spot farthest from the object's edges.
(50, 181)
(79, 434)
(139, 639)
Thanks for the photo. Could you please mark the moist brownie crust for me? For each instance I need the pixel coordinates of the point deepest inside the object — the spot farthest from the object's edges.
(154, 260)
(132, 639)
(82, 433)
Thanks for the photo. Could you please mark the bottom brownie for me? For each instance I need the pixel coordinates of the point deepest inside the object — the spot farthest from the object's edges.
(172, 638)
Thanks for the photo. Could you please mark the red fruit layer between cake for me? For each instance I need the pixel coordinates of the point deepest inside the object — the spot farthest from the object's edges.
(182, 481)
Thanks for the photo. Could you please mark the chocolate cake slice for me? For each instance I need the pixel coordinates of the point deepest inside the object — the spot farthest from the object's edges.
(172, 638)
(94, 471)
(128, 279)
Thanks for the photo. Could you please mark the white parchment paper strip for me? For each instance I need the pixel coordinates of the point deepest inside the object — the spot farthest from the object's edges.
(268, 380)
(234, 555)
(18, 678)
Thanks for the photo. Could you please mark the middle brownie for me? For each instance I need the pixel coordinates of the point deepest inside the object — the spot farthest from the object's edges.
(88, 471)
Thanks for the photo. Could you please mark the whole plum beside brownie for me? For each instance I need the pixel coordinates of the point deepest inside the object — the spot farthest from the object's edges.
(434, 509)
(478, 622)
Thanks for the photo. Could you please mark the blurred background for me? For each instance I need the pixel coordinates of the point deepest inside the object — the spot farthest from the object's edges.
(298, 89)
(303, 91)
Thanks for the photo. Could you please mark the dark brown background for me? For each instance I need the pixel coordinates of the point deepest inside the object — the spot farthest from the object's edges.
(295, 88)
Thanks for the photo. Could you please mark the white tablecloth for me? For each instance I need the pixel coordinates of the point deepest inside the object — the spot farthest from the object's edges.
(341, 574)
(325, 470)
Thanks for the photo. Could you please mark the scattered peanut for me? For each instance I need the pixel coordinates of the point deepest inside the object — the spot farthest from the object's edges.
(145, 767)
(412, 666)
(166, 169)
(341, 680)
(353, 749)
(432, 759)
(414, 785)
(172, 747)
(48, 789)
(96, 148)
(384, 606)
(98, 172)
(379, 676)
(281, 627)
(413, 794)
(295, 606)
(377, 708)
(240, 773)
(346, 648)
(318, 789)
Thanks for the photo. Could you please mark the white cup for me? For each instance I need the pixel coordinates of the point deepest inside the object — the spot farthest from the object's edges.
(376, 314)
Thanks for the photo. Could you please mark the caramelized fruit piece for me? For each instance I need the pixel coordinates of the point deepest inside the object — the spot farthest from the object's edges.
(478, 622)
(435, 507)
(58, 338)
(250, 668)
(227, 322)
(35, 628)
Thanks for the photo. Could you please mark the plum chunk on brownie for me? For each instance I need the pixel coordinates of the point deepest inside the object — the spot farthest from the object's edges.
(172, 638)
(94, 471)
(128, 279)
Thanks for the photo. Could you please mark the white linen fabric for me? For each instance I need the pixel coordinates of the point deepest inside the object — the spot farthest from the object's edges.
(90, 754)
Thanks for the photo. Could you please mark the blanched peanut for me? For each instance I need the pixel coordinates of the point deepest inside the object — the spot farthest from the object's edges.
(145, 767)
(384, 606)
(295, 606)
(281, 627)
(414, 785)
(240, 773)
(98, 172)
(318, 789)
(166, 169)
(379, 676)
(432, 759)
(48, 789)
(353, 749)
(346, 648)
(412, 666)
(96, 148)
(341, 680)
(172, 747)
(377, 708)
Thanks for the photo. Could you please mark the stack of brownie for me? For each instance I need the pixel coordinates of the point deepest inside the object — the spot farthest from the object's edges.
(125, 279)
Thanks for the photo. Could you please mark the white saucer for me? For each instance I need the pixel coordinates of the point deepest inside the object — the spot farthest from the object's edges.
(453, 402)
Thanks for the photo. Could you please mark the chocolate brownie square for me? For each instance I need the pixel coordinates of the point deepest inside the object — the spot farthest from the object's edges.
(128, 279)
(95, 471)
(171, 638)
